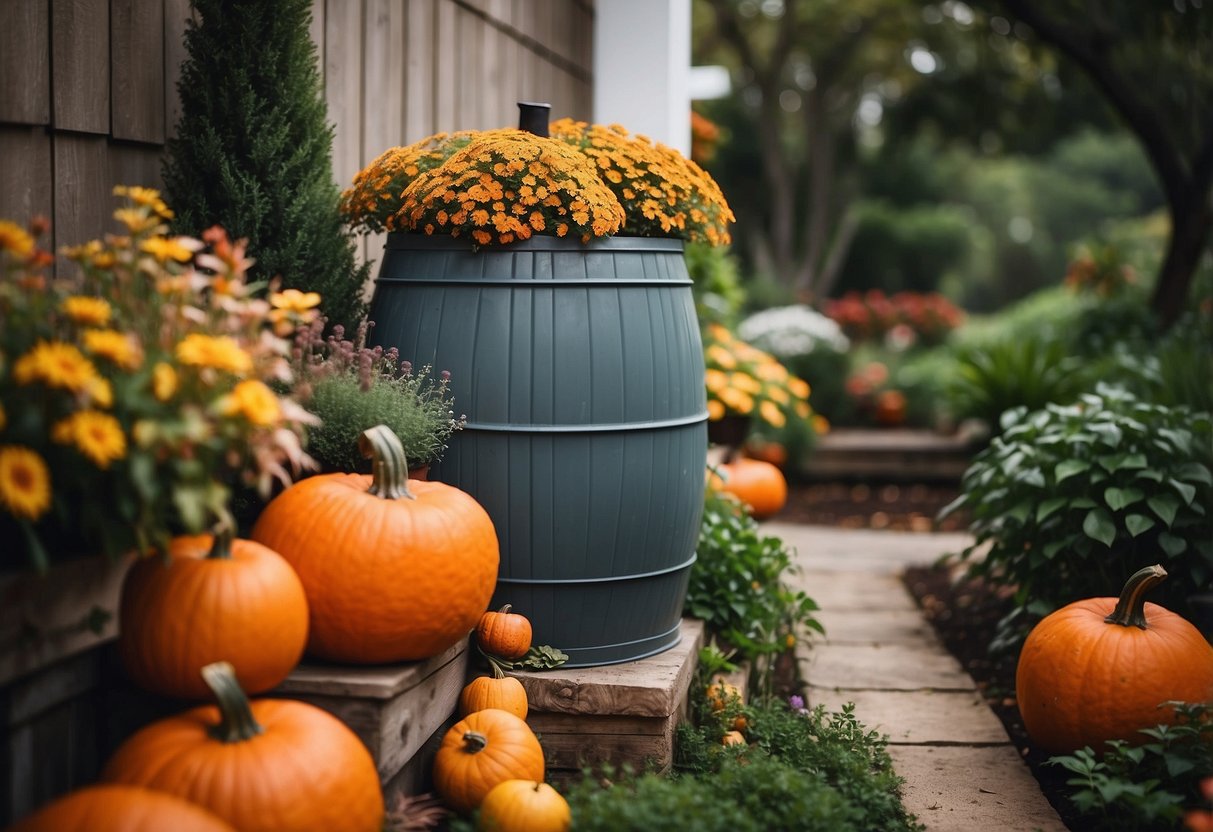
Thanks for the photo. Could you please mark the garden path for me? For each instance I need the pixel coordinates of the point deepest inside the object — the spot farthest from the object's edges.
(961, 771)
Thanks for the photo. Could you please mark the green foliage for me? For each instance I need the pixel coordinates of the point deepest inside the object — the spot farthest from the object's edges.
(906, 248)
(719, 295)
(1073, 499)
(251, 150)
(834, 748)
(1145, 788)
(1027, 372)
(737, 583)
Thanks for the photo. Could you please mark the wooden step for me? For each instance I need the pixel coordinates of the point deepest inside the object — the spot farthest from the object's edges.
(894, 455)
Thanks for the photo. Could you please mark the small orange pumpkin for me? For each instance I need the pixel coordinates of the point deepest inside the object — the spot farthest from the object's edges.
(121, 809)
(760, 485)
(214, 599)
(524, 806)
(484, 749)
(1097, 669)
(504, 633)
(497, 691)
(421, 555)
(733, 738)
(273, 765)
(721, 693)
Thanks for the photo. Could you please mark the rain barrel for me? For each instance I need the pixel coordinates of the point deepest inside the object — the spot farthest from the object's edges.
(580, 369)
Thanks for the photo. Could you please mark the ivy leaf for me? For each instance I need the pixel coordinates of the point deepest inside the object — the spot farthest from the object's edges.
(1118, 498)
(1049, 507)
(1098, 525)
(1165, 506)
(1188, 492)
(1171, 544)
(1138, 523)
(1194, 472)
(1070, 467)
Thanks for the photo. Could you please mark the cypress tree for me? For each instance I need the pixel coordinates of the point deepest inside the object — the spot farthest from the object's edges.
(252, 149)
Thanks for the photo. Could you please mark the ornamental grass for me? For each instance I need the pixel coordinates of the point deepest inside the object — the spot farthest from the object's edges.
(135, 393)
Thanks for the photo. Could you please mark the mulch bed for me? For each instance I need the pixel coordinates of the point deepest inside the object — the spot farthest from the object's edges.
(964, 612)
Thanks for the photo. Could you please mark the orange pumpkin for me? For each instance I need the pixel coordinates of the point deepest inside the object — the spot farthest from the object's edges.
(121, 809)
(214, 599)
(772, 452)
(504, 633)
(733, 738)
(394, 569)
(760, 485)
(1097, 669)
(721, 693)
(497, 691)
(484, 749)
(524, 806)
(273, 764)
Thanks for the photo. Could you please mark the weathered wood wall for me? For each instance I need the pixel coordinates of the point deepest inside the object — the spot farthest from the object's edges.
(88, 87)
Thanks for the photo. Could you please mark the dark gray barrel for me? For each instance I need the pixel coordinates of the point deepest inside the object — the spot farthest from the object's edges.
(580, 369)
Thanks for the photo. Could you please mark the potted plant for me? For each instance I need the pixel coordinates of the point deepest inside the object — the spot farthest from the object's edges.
(133, 396)
(547, 274)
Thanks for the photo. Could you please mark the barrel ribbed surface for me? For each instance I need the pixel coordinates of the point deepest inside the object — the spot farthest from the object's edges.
(580, 369)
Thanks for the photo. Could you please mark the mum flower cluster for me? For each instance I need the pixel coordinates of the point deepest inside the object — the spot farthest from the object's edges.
(507, 185)
(745, 381)
(500, 186)
(135, 394)
(663, 193)
(926, 317)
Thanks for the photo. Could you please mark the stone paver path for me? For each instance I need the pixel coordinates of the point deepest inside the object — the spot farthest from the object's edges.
(960, 769)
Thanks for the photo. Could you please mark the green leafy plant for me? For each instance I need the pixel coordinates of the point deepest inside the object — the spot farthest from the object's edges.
(1026, 372)
(737, 585)
(355, 387)
(1145, 788)
(1069, 499)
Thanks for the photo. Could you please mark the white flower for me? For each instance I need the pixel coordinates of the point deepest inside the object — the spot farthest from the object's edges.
(788, 331)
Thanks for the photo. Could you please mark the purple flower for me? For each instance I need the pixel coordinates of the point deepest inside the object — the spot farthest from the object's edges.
(796, 703)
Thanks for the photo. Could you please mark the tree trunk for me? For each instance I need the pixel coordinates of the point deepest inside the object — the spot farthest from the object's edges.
(1191, 221)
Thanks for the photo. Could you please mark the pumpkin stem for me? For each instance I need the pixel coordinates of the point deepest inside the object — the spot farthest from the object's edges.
(1131, 608)
(504, 609)
(237, 723)
(474, 741)
(221, 543)
(389, 468)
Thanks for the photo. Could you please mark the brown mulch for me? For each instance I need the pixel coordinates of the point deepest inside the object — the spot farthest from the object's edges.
(964, 612)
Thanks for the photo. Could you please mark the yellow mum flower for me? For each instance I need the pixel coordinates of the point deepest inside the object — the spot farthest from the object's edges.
(95, 434)
(147, 197)
(220, 352)
(803, 410)
(719, 355)
(25, 483)
(165, 249)
(715, 410)
(715, 380)
(255, 402)
(293, 300)
(100, 391)
(821, 424)
(737, 400)
(772, 414)
(55, 364)
(16, 239)
(778, 395)
(164, 381)
(800, 388)
(118, 347)
(772, 371)
(87, 310)
(745, 383)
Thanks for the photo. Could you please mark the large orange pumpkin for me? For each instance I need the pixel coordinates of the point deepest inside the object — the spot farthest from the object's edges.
(481, 750)
(1097, 669)
(121, 809)
(394, 569)
(760, 485)
(272, 765)
(214, 599)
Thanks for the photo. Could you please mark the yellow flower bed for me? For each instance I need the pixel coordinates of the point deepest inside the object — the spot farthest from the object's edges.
(745, 381)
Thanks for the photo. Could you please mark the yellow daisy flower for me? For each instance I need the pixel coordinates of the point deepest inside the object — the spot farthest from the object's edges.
(117, 347)
(95, 434)
(15, 239)
(100, 392)
(165, 249)
(293, 300)
(772, 414)
(137, 221)
(220, 352)
(255, 402)
(88, 311)
(25, 483)
(164, 381)
(55, 364)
